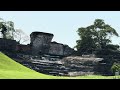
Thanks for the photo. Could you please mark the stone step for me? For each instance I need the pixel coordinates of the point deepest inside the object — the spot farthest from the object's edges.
(58, 69)
(47, 64)
(79, 73)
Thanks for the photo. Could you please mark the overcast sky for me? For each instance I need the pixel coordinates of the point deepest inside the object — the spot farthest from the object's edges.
(63, 24)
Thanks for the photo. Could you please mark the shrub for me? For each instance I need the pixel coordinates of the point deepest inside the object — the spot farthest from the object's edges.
(115, 68)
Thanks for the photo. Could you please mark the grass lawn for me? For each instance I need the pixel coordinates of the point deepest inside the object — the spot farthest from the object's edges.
(9, 69)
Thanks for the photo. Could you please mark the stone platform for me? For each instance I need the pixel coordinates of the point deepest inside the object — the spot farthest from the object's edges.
(69, 66)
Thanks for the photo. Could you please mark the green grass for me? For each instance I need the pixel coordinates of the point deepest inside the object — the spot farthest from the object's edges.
(9, 69)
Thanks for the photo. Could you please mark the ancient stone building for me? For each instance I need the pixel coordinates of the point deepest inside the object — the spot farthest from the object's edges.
(40, 42)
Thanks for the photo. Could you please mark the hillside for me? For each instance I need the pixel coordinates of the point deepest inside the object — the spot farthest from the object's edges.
(9, 69)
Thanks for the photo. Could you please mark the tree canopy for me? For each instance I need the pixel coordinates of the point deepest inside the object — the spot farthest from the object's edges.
(9, 32)
(95, 37)
(7, 29)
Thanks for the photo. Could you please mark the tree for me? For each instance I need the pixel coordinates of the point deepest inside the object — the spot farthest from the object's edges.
(95, 37)
(7, 29)
(20, 36)
(104, 32)
(86, 43)
(115, 67)
(9, 32)
(4, 30)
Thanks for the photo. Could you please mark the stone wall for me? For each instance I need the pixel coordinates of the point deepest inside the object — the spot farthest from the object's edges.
(23, 48)
(60, 49)
(7, 44)
(40, 42)
(81, 65)
(56, 48)
(67, 50)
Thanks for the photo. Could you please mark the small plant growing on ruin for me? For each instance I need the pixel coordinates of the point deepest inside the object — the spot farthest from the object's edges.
(115, 68)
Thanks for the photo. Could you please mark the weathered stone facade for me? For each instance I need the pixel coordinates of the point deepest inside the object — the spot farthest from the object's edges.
(40, 42)
(51, 62)
(26, 49)
(60, 49)
(56, 48)
(67, 50)
(80, 65)
(7, 44)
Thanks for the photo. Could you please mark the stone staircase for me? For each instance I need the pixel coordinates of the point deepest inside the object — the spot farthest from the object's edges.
(47, 67)
(63, 67)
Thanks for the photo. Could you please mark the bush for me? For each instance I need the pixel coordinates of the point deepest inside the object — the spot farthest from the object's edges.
(115, 68)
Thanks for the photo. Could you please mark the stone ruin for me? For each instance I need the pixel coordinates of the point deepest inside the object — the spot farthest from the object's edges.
(50, 62)
(7, 44)
(67, 66)
(25, 49)
(41, 44)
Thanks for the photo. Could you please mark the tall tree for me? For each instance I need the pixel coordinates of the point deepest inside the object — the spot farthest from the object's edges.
(95, 37)
(104, 32)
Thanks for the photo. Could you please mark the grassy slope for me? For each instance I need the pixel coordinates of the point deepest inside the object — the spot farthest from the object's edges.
(9, 69)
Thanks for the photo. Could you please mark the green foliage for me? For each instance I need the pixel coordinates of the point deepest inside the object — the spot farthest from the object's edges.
(115, 67)
(112, 47)
(95, 37)
(7, 29)
(9, 32)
